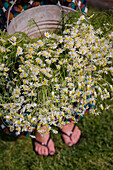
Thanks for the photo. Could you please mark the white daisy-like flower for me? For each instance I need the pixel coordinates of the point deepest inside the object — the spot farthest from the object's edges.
(39, 61)
(47, 34)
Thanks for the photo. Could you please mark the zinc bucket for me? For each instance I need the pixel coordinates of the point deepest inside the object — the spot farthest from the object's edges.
(37, 20)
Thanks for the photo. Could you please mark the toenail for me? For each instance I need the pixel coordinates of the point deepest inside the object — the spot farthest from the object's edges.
(51, 152)
(69, 143)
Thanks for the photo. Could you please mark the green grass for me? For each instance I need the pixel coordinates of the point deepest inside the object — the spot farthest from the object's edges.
(94, 152)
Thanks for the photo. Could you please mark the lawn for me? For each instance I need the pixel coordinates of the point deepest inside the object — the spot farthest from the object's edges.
(94, 152)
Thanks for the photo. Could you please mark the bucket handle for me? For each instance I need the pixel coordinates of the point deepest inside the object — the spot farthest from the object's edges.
(76, 3)
(61, 8)
(9, 13)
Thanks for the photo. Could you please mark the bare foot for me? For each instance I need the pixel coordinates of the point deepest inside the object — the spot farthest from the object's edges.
(75, 134)
(43, 150)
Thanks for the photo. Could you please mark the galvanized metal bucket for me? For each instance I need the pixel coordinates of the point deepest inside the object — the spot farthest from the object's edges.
(37, 20)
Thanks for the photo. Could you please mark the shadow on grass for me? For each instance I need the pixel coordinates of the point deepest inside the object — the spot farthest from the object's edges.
(6, 137)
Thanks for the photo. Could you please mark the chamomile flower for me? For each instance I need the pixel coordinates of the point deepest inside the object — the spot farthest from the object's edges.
(99, 31)
(19, 51)
(48, 35)
(39, 61)
(40, 43)
(57, 86)
(2, 49)
(13, 38)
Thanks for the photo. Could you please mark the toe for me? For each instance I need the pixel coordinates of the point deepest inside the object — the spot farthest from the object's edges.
(67, 140)
(36, 148)
(75, 139)
(45, 151)
(76, 136)
(51, 147)
(40, 151)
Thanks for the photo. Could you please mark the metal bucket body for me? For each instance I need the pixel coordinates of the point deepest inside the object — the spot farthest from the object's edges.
(37, 20)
